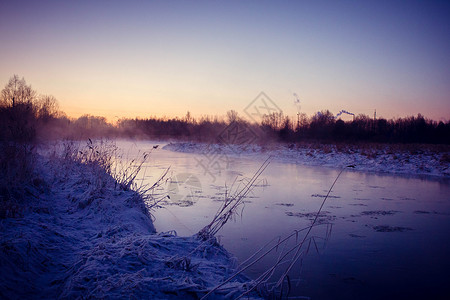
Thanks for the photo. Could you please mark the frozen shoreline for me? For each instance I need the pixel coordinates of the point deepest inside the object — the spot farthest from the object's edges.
(382, 159)
(81, 237)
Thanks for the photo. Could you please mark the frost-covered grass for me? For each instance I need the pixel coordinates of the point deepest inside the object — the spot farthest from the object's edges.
(18, 179)
(85, 235)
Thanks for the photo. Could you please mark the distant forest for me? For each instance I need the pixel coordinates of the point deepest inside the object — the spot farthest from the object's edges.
(27, 116)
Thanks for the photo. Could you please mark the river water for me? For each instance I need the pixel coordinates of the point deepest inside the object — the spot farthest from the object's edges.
(380, 236)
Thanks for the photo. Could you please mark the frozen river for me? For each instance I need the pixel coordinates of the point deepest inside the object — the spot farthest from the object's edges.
(389, 235)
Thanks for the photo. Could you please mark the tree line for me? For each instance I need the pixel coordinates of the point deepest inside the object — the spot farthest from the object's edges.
(26, 115)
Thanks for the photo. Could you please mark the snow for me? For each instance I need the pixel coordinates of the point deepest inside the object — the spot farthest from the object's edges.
(382, 159)
(81, 237)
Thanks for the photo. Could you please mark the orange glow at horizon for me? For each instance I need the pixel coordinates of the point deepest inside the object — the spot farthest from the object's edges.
(165, 59)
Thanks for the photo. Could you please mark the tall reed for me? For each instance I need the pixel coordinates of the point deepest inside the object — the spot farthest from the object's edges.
(288, 256)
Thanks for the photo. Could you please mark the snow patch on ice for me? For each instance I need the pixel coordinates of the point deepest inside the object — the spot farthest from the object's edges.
(425, 162)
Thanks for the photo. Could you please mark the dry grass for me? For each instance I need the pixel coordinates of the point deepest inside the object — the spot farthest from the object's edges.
(19, 180)
(291, 250)
(105, 159)
(231, 205)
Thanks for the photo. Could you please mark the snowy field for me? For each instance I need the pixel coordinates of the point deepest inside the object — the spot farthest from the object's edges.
(383, 159)
(80, 236)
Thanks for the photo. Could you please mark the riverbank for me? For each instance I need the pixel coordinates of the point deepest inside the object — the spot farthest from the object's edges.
(78, 235)
(392, 159)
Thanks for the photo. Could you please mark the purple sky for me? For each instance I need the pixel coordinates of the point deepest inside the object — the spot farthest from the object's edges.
(143, 58)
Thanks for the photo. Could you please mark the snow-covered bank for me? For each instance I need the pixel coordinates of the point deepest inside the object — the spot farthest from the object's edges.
(79, 236)
(385, 159)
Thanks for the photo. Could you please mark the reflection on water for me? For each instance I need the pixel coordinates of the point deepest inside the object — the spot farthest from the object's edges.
(184, 189)
(389, 237)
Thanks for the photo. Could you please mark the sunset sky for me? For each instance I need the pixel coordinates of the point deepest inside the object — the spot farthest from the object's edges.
(156, 58)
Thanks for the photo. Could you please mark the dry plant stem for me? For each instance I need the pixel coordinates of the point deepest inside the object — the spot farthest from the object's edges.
(228, 209)
(280, 261)
(144, 191)
(296, 256)
(268, 273)
(296, 232)
(298, 247)
(105, 156)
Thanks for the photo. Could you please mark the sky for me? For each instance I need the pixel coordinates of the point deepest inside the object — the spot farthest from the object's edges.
(164, 58)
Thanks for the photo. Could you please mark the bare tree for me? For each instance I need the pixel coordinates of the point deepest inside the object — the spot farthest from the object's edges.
(273, 120)
(232, 116)
(16, 92)
(302, 121)
(47, 107)
(322, 118)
